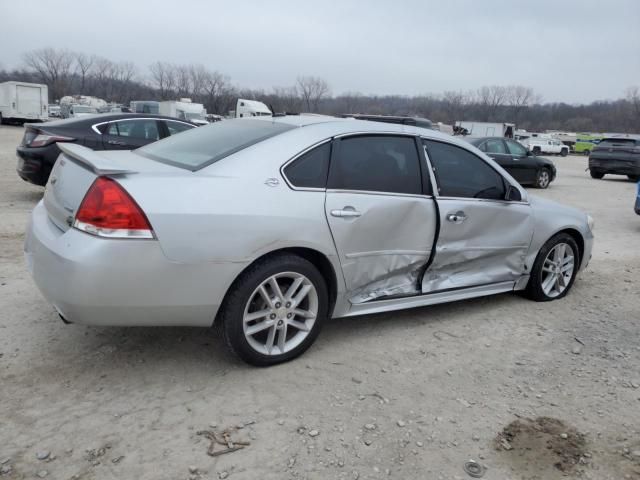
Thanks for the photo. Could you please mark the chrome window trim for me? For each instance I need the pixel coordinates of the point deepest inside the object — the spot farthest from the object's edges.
(95, 126)
(441, 197)
(373, 192)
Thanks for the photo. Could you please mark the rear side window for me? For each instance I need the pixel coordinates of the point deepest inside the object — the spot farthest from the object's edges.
(310, 170)
(460, 173)
(618, 142)
(203, 146)
(143, 129)
(376, 163)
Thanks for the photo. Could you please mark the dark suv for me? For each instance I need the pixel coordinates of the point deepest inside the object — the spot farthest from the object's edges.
(617, 155)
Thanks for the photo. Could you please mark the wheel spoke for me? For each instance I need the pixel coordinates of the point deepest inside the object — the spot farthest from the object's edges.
(548, 266)
(548, 282)
(303, 313)
(293, 288)
(301, 294)
(270, 338)
(265, 296)
(276, 288)
(299, 325)
(259, 327)
(249, 317)
(282, 337)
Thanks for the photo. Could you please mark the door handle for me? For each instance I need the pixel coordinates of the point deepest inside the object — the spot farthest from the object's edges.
(346, 212)
(457, 217)
(115, 142)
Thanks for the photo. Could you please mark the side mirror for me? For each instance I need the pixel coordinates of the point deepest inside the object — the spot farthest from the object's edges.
(513, 194)
(529, 153)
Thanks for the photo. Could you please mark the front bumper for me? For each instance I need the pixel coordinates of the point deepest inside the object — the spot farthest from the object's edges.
(98, 281)
(35, 164)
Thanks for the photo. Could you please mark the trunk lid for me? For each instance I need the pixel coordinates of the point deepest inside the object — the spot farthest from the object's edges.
(75, 171)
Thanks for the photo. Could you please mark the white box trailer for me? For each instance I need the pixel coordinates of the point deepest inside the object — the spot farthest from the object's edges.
(21, 101)
(486, 129)
(184, 110)
(250, 108)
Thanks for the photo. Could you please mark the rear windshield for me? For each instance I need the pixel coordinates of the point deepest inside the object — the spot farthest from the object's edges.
(618, 142)
(200, 147)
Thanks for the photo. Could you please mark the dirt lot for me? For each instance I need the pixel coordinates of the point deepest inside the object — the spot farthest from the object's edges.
(406, 395)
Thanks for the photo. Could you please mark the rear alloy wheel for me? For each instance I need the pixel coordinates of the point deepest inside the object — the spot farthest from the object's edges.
(555, 269)
(275, 310)
(536, 150)
(543, 178)
(596, 174)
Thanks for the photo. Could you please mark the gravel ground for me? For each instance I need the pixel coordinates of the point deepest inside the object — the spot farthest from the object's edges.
(413, 394)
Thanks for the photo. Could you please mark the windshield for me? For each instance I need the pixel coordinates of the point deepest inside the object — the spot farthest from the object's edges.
(197, 148)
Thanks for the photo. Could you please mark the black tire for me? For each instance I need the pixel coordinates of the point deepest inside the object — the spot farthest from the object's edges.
(543, 178)
(633, 178)
(534, 289)
(564, 152)
(596, 174)
(241, 292)
(536, 150)
(586, 152)
(1, 119)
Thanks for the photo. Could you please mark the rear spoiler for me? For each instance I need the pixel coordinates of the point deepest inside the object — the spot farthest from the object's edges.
(100, 164)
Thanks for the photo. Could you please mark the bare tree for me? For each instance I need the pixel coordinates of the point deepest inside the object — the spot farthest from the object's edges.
(53, 67)
(490, 99)
(163, 78)
(313, 90)
(84, 63)
(453, 105)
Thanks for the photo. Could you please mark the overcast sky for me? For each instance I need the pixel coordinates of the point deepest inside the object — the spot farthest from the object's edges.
(567, 50)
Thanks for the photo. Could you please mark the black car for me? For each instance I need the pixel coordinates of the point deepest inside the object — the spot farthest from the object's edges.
(524, 166)
(617, 155)
(120, 131)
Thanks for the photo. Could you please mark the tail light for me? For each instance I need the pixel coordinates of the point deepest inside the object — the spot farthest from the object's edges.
(41, 139)
(107, 210)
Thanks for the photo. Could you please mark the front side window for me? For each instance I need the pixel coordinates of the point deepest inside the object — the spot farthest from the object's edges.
(142, 129)
(460, 173)
(310, 170)
(376, 163)
(494, 145)
(516, 149)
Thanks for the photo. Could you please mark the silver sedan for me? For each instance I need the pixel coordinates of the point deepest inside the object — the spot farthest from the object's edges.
(270, 226)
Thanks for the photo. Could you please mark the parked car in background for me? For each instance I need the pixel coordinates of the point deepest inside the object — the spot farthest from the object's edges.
(523, 165)
(145, 106)
(616, 155)
(637, 206)
(23, 102)
(271, 226)
(585, 143)
(39, 148)
(54, 111)
(546, 145)
(78, 111)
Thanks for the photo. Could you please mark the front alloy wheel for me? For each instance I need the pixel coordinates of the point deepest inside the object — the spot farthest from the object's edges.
(555, 269)
(274, 310)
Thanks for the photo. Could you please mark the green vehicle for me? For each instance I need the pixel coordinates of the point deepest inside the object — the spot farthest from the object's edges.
(585, 143)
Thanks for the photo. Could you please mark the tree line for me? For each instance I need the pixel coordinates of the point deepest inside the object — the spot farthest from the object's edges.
(68, 73)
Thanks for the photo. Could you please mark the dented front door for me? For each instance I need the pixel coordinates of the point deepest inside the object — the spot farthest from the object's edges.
(480, 242)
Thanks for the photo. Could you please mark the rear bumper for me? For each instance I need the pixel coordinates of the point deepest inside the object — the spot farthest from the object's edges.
(622, 166)
(97, 281)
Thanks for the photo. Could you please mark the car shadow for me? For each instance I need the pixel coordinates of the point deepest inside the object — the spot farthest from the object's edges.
(108, 350)
(29, 196)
